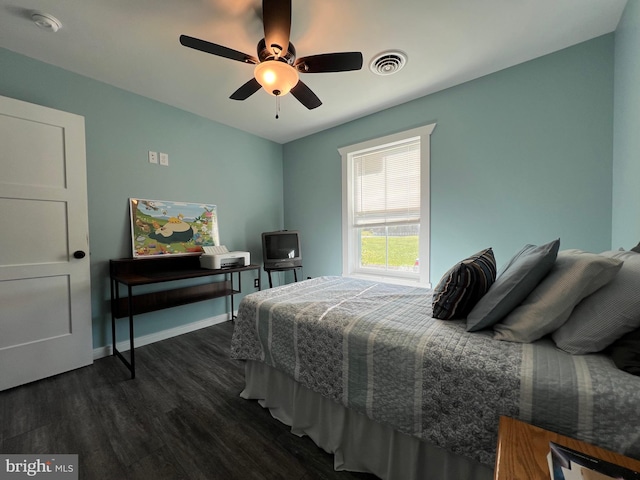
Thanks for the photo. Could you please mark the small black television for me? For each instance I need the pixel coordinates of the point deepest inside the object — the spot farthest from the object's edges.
(281, 249)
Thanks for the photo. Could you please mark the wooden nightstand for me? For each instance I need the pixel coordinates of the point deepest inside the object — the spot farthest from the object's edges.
(523, 448)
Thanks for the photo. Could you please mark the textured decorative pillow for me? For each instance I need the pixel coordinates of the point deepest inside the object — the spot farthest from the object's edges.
(463, 285)
(574, 275)
(608, 314)
(625, 352)
(517, 279)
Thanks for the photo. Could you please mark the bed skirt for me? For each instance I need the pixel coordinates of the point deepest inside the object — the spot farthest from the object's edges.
(357, 443)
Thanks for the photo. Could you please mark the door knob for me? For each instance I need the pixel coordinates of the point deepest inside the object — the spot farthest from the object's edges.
(79, 254)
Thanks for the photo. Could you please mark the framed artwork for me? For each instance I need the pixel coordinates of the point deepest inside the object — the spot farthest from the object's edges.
(160, 227)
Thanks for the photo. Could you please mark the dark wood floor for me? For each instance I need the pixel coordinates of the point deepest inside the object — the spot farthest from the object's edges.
(181, 418)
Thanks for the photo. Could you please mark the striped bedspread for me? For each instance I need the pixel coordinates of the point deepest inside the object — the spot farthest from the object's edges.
(374, 348)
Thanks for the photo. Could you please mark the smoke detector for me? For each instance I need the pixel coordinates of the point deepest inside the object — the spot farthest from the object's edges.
(388, 63)
(46, 22)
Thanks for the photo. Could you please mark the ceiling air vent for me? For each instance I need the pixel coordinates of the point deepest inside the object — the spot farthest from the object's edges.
(46, 22)
(388, 63)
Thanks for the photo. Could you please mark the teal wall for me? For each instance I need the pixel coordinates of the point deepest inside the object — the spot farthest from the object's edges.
(208, 162)
(524, 155)
(626, 133)
(520, 156)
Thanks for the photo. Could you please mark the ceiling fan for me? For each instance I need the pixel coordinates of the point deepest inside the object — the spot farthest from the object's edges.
(276, 68)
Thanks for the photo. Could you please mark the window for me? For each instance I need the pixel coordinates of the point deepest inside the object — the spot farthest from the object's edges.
(385, 202)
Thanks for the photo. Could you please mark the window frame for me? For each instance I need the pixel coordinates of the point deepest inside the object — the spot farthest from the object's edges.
(350, 250)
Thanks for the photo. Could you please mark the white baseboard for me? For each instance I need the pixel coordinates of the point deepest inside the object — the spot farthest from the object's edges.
(123, 346)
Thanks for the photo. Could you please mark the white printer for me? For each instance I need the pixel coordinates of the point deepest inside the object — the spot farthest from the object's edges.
(218, 257)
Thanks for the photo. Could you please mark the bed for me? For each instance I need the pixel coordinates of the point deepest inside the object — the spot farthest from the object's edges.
(365, 370)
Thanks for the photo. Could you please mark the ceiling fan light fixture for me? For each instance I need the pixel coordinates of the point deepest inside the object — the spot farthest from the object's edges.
(276, 77)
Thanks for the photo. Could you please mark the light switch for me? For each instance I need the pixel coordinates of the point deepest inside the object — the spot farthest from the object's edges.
(164, 159)
(153, 157)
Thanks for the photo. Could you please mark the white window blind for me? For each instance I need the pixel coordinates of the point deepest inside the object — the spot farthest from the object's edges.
(385, 202)
(386, 185)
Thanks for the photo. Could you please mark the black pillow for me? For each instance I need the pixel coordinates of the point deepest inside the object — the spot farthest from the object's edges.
(636, 248)
(463, 285)
(625, 352)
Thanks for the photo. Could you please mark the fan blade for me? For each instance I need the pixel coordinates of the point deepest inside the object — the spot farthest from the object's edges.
(215, 49)
(330, 62)
(305, 96)
(246, 90)
(276, 18)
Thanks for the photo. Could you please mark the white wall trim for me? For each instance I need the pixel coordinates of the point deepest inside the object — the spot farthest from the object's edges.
(122, 346)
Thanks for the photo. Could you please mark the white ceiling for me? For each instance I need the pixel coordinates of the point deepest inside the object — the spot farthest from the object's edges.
(133, 44)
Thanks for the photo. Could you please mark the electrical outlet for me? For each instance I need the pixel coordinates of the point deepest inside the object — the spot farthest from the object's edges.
(164, 159)
(153, 157)
(256, 283)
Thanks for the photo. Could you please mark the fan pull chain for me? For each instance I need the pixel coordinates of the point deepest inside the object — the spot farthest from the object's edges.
(277, 106)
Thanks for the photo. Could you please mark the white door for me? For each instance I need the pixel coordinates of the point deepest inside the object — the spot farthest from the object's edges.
(45, 297)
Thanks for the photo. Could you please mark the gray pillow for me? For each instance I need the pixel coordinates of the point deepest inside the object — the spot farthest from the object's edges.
(636, 248)
(517, 279)
(608, 314)
(574, 276)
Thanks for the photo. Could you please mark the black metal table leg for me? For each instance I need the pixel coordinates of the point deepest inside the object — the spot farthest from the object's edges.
(132, 352)
(114, 299)
(130, 364)
(233, 316)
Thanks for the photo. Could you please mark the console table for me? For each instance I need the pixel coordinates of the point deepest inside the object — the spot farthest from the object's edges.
(135, 272)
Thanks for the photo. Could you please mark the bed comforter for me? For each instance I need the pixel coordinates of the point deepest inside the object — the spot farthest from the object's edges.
(374, 348)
